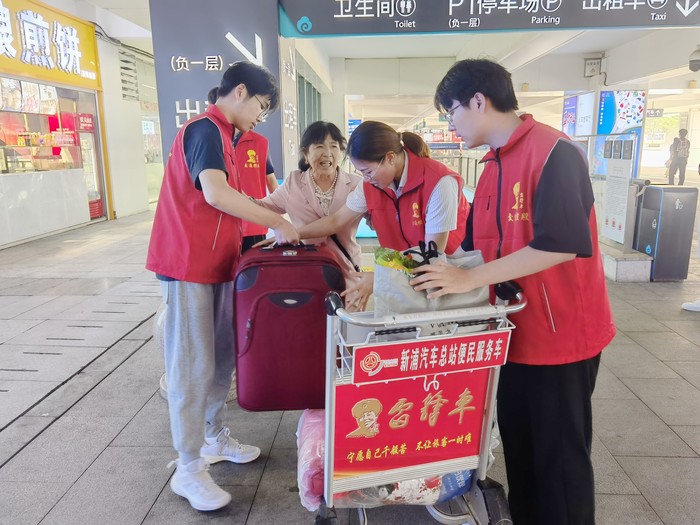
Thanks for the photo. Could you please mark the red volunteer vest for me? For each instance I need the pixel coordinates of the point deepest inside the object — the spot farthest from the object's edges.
(191, 240)
(568, 315)
(251, 156)
(400, 223)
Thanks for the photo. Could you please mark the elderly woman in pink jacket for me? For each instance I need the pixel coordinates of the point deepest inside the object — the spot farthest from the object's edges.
(317, 189)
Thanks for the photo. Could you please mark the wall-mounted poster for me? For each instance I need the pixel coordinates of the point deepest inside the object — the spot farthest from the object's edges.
(11, 94)
(48, 104)
(30, 97)
(619, 113)
(585, 114)
(568, 118)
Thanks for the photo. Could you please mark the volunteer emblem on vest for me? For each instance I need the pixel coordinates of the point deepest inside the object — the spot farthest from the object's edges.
(252, 161)
(417, 219)
(518, 213)
(366, 413)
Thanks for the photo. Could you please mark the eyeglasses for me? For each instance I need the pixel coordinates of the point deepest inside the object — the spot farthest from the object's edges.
(262, 116)
(450, 114)
(368, 173)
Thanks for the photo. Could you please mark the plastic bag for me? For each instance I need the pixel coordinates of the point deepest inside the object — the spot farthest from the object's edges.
(421, 491)
(311, 437)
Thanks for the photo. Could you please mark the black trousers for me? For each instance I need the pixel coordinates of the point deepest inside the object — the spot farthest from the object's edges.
(677, 165)
(544, 415)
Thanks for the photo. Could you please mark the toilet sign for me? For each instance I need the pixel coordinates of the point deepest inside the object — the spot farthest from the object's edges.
(354, 17)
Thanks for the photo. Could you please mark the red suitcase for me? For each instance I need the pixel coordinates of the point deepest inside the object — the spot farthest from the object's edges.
(280, 325)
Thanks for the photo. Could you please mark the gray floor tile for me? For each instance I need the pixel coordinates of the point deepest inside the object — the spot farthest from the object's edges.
(609, 476)
(135, 288)
(667, 346)
(637, 322)
(119, 488)
(71, 444)
(10, 329)
(81, 286)
(689, 370)
(634, 361)
(670, 485)
(171, 509)
(666, 309)
(7, 281)
(143, 332)
(72, 333)
(21, 432)
(277, 498)
(53, 363)
(11, 305)
(53, 307)
(16, 397)
(608, 386)
(36, 286)
(675, 401)
(112, 308)
(27, 503)
(688, 329)
(624, 510)
(691, 435)
(617, 423)
(286, 433)
(125, 391)
(150, 427)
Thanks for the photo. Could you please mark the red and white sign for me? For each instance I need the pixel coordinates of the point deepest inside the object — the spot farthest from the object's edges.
(379, 427)
(416, 358)
(86, 122)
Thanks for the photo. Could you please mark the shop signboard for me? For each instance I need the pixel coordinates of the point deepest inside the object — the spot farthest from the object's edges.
(219, 34)
(39, 42)
(355, 17)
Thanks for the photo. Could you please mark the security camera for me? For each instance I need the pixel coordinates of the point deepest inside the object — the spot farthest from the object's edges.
(694, 60)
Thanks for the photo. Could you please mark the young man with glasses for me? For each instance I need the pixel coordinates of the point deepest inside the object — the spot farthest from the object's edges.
(195, 244)
(533, 219)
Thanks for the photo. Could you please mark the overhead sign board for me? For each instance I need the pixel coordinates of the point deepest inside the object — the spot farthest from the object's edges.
(354, 17)
(187, 68)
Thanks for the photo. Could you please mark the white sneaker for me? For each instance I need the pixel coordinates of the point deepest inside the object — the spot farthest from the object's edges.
(692, 307)
(193, 482)
(225, 448)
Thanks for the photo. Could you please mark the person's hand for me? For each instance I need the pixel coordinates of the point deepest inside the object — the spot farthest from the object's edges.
(265, 242)
(360, 287)
(285, 233)
(441, 278)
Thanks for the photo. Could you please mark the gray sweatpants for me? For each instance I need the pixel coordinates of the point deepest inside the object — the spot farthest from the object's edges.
(199, 360)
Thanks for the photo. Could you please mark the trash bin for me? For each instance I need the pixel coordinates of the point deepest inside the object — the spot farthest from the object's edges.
(664, 229)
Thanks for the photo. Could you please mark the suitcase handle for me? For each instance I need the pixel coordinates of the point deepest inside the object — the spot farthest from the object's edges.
(300, 244)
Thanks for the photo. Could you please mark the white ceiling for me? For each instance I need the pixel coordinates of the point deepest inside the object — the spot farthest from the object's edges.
(513, 49)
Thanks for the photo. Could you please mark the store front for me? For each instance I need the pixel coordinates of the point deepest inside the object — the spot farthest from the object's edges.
(51, 174)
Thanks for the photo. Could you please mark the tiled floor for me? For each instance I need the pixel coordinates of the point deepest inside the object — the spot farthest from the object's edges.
(85, 439)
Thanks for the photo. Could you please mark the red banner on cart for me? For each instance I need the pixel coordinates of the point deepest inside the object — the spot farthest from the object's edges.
(416, 358)
(385, 426)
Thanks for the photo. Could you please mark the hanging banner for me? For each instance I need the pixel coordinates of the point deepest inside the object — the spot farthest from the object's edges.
(42, 43)
(355, 17)
(187, 68)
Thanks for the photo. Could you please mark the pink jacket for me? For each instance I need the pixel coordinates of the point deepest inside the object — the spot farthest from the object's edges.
(295, 196)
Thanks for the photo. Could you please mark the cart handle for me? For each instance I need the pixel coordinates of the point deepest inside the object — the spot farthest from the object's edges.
(334, 306)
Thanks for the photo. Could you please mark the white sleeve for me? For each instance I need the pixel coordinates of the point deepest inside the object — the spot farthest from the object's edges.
(356, 199)
(441, 215)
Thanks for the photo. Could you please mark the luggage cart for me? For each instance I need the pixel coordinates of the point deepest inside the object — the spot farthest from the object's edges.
(413, 396)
